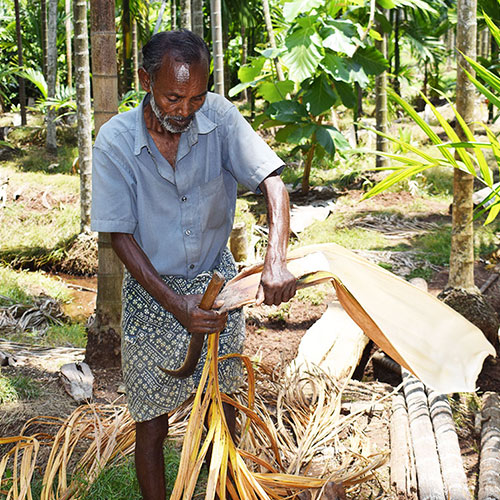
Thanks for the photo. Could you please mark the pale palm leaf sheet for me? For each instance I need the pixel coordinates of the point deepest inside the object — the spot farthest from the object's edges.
(427, 337)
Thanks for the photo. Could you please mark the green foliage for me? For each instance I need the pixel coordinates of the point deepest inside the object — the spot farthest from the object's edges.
(323, 56)
(442, 155)
(15, 388)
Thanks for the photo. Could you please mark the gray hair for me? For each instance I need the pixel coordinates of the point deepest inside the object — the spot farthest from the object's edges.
(184, 45)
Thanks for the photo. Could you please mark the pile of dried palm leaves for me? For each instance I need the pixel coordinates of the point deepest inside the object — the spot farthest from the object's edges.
(290, 426)
(36, 317)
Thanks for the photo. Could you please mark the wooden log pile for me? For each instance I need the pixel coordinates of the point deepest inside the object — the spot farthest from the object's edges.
(489, 467)
(425, 454)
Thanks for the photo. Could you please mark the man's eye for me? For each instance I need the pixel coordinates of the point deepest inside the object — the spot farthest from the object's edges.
(172, 99)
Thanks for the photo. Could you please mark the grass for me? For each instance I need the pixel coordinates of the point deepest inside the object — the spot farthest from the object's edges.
(119, 482)
(328, 231)
(70, 334)
(436, 245)
(18, 388)
(24, 286)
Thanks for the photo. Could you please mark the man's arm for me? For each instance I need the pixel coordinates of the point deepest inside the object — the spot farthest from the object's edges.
(277, 283)
(183, 307)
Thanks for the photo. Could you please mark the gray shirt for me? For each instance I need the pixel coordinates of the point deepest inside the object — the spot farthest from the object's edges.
(180, 217)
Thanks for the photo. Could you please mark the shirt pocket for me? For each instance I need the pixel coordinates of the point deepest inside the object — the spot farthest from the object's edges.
(213, 203)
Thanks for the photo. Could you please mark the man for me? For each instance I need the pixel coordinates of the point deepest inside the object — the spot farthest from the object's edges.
(164, 185)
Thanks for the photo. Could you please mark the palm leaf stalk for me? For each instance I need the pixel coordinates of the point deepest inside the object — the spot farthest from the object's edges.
(229, 470)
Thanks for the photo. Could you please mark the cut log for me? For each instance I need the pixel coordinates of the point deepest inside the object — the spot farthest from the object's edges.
(452, 467)
(489, 466)
(334, 343)
(402, 465)
(430, 482)
(77, 380)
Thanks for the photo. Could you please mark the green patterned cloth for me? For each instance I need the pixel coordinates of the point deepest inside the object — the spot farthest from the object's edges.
(152, 337)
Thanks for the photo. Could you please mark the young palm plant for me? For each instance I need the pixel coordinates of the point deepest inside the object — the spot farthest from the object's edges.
(469, 155)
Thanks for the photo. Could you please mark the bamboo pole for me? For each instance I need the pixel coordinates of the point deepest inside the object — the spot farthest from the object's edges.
(430, 482)
(402, 465)
(452, 467)
(489, 467)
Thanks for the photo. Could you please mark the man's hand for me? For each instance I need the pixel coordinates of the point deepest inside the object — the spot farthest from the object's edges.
(277, 285)
(196, 320)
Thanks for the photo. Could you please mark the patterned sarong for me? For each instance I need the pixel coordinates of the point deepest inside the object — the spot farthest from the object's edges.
(153, 337)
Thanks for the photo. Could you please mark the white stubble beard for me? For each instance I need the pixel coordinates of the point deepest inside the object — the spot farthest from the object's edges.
(168, 122)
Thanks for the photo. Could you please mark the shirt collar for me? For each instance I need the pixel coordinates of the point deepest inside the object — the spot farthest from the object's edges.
(201, 125)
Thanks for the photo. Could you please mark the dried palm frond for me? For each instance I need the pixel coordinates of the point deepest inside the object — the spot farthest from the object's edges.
(245, 475)
(396, 315)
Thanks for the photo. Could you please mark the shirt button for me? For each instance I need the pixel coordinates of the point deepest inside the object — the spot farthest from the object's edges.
(187, 232)
(191, 266)
(184, 198)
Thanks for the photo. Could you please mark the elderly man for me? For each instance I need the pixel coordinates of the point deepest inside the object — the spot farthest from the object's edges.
(164, 185)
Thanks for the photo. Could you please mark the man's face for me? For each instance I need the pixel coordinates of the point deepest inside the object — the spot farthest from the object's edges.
(177, 92)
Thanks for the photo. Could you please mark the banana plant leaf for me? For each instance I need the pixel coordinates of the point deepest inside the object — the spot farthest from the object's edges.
(421, 333)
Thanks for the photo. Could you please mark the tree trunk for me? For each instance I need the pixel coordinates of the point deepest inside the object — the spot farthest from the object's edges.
(272, 40)
(244, 55)
(217, 45)
(22, 83)
(135, 56)
(43, 20)
(397, 62)
(51, 143)
(197, 17)
(185, 14)
(461, 293)
(103, 345)
(160, 15)
(462, 239)
(83, 110)
(381, 103)
(69, 58)
(173, 14)
(126, 26)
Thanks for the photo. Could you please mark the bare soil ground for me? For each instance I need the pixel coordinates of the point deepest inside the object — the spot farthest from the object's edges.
(272, 339)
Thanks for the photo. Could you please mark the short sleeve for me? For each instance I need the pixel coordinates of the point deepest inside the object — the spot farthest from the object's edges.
(113, 195)
(246, 155)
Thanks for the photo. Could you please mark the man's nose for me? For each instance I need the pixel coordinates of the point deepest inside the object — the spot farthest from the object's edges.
(185, 109)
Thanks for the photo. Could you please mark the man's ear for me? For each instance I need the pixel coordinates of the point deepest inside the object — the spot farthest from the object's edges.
(145, 79)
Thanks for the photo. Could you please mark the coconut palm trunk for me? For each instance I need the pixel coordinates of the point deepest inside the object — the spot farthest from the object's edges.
(103, 345)
(126, 27)
(462, 241)
(185, 6)
(381, 102)
(22, 83)
(83, 110)
(69, 54)
(43, 22)
(135, 56)
(461, 293)
(51, 144)
(173, 14)
(160, 15)
(217, 45)
(272, 39)
(197, 17)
